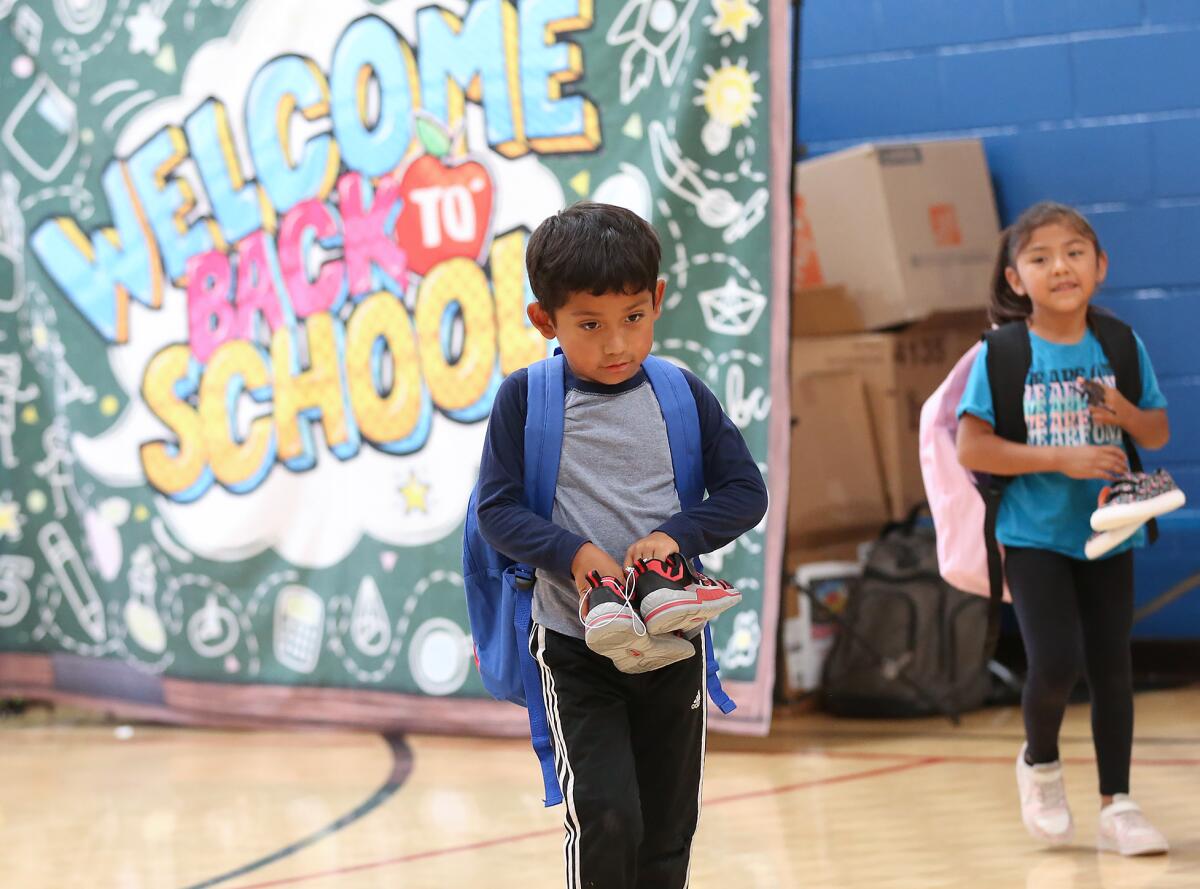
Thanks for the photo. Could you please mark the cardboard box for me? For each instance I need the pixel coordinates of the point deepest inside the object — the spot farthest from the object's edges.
(909, 229)
(899, 371)
(836, 480)
(828, 309)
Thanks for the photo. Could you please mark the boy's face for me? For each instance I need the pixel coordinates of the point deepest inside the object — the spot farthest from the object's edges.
(605, 338)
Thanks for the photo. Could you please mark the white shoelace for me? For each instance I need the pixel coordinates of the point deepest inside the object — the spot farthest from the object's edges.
(639, 626)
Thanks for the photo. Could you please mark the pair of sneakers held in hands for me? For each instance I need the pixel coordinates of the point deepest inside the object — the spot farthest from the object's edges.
(1127, 504)
(639, 621)
(1133, 498)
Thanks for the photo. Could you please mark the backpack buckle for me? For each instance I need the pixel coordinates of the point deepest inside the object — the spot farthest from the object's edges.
(523, 577)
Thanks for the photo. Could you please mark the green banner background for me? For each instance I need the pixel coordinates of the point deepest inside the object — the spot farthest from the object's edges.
(331, 591)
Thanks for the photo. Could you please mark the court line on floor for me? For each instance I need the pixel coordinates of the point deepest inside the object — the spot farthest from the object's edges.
(976, 759)
(1017, 737)
(402, 765)
(555, 831)
(915, 763)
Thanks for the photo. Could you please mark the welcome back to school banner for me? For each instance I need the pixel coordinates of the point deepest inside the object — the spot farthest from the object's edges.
(261, 274)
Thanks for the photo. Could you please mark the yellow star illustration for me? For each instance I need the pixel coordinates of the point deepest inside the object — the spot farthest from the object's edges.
(414, 492)
(734, 17)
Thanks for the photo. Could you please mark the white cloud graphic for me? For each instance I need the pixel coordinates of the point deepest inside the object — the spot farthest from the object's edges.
(313, 518)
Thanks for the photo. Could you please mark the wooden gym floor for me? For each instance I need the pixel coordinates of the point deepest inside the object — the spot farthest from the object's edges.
(820, 804)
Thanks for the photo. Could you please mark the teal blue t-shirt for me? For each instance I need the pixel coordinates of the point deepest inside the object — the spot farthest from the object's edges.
(1049, 510)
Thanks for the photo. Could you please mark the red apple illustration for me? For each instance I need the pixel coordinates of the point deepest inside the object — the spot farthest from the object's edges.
(448, 201)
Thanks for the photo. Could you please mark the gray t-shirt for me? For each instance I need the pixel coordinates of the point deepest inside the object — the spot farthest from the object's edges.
(616, 484)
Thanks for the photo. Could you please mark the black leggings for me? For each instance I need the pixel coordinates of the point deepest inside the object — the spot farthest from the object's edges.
(1070, 609)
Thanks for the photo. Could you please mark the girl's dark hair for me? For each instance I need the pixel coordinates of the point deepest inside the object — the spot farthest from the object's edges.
(1008, 305)
(591, 248)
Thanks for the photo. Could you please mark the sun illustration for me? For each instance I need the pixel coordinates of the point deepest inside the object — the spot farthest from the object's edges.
(728, 94)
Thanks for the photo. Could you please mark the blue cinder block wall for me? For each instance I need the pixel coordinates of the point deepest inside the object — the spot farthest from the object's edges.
(1092, 102)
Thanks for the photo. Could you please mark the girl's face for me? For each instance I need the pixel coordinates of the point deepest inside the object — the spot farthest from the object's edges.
(1058, 269)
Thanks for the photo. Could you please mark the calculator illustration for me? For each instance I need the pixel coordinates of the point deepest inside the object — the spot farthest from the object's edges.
(299, 628)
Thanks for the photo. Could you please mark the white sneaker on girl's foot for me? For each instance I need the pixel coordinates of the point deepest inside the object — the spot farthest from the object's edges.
(1124, 829)
(1044, 808)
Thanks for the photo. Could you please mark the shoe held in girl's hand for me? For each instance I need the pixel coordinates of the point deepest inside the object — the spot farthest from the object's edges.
(1103, 542)
(1137, 496)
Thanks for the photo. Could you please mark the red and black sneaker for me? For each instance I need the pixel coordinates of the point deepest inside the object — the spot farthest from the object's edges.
(672, 596)
(612, 627)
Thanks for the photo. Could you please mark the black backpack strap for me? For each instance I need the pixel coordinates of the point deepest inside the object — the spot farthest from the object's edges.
(993, 492)
(1008, 358)
(1120, 348)
(1009, 355)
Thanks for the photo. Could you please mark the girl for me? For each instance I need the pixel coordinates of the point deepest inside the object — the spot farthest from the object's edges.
(1049, 267)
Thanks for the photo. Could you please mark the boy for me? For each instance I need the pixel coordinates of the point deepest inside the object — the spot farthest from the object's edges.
(628, 745)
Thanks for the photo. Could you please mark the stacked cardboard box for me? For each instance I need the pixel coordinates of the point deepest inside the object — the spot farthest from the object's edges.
(856, 402)
(894, 247)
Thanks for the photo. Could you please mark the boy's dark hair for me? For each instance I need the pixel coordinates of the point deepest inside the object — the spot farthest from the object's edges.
(1008, 305)
(591, 248)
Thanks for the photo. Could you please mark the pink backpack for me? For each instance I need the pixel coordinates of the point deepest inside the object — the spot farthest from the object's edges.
(954, 501)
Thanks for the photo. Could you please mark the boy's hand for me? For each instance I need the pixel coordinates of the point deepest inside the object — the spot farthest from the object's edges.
(591, 558)
(1114, 410)
(1093, 461)
(655, 545)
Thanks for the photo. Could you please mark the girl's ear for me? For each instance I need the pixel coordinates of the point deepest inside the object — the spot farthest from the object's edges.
(1014, 281)
(541, 319)
(1101, 267)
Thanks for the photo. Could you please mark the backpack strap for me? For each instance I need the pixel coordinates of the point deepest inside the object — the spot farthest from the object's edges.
(1120, 348)
(1008, 359)
(544, 432)
(678, 407)
(1009, 355)
(543, 447)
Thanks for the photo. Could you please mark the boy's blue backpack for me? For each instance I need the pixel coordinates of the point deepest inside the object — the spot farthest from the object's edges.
(500, 591)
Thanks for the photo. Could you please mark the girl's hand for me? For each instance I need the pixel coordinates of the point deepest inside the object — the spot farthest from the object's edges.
(1115, 410)
(1092, 461)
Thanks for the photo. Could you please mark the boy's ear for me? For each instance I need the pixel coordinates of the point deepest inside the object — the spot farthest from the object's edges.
(657, 300)
(1014, 281)
(541, 319)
